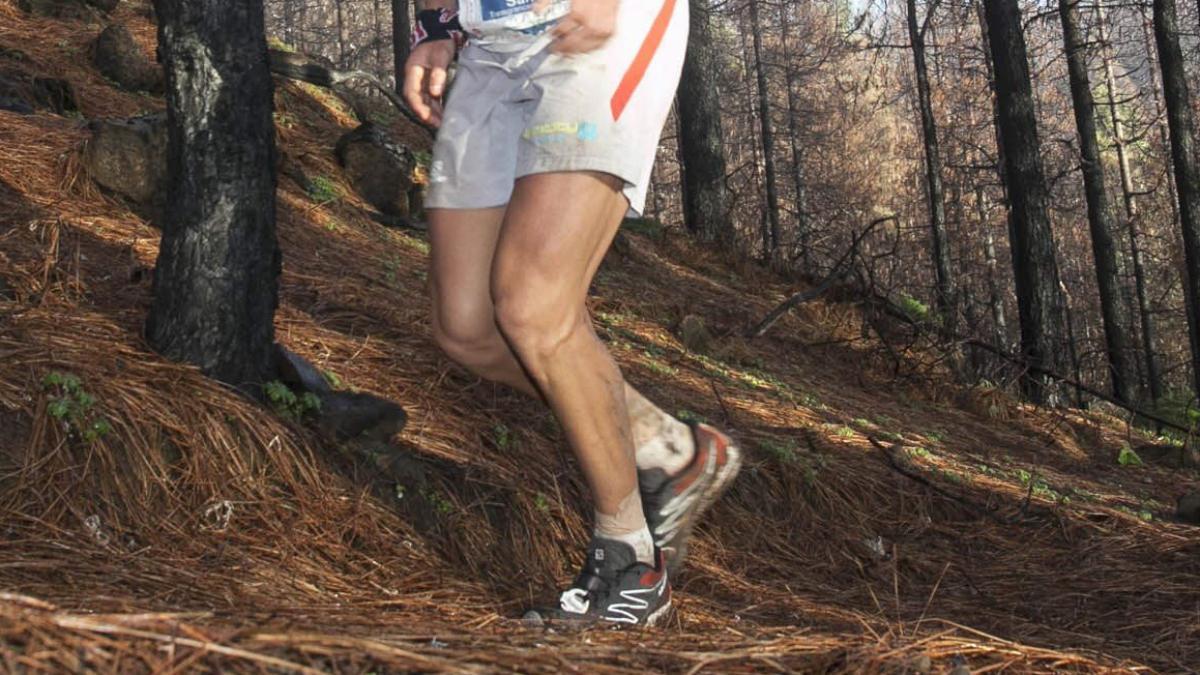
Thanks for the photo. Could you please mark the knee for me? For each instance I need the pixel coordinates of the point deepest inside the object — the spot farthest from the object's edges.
(535, 325)
(473, 344)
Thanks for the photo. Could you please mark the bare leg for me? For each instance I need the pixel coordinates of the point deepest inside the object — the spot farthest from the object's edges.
(548, 251)
(464, 322)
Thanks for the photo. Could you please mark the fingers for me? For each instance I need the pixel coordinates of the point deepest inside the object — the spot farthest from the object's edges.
(414, 95)
(437, 81)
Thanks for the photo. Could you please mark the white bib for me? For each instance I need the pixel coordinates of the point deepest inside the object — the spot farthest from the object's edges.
(494, 22)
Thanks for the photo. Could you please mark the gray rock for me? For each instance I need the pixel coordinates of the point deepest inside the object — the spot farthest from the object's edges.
(1188, 509)
(129, 157)
(121, 60)
(105, 6)
(24, 92)
(380, 170)
(349, 415)
(59, 9)
(294, 371)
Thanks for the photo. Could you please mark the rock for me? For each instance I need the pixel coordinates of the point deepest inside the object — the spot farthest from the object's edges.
(105, 6)
(58, 9)
(380, 170)
(1188, 509)
(294, 371)
(694, 334)
(121, 60)
(129, 157)
(16, 105)
(349, 415)
(24, 92)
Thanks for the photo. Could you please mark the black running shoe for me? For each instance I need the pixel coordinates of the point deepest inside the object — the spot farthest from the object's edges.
(673, 504)
(614, 589)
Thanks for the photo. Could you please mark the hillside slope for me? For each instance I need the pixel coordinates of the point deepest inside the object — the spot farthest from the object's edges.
(883, 521)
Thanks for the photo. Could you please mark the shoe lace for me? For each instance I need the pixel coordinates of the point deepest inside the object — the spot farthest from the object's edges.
(575, 600)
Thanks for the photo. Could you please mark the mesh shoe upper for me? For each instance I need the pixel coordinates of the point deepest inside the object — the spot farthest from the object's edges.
(673, 504)
(613, 587)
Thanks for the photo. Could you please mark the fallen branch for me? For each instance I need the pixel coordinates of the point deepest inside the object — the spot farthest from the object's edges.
(297, 66)
(839, 272)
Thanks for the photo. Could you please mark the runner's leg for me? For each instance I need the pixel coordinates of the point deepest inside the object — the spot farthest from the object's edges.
(463, 244)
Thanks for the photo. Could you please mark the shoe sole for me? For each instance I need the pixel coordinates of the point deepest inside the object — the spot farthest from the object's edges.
(719, 485)
(534, 619)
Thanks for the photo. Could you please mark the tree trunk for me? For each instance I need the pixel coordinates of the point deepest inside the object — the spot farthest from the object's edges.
(803, 225)
(1129, 191)
(1035, 265)
(401, 34)
(1100, 215)
(701, 149)
(1183, 155)
(933, 174)
(218, 265)
(773, 249)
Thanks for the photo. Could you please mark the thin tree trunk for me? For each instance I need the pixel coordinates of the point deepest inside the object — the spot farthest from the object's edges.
(803, 235)
(772, 243)
(1035, 265)
(343, 34)
(1100, 215)
(701, 147)
(215, 282)
(933, 173)
(995, 298)
(1183, 155)
(401, 34)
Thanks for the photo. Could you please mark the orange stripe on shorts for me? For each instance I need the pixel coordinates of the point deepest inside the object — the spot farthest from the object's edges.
(637, 70)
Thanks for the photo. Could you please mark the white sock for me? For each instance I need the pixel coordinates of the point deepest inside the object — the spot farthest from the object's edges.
(660, 441)
(628, 525)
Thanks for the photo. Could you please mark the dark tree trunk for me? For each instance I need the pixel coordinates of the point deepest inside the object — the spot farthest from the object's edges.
(933, 174)
(1183, 155)
(773, 248)
(803, 224)
(401, 33)
(1035, 267)
(215, 286)
(702, 154)
(1100, 214)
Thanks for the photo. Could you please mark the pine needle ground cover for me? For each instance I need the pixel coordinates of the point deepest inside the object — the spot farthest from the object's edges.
(152, 521)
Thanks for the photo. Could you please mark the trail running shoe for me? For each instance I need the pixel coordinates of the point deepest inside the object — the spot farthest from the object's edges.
(673, 504)
(614, 589)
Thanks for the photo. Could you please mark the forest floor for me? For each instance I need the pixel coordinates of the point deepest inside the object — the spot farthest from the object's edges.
(885, 520)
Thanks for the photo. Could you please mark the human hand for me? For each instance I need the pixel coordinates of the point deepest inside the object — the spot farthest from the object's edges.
(425, 79)
(588, 25)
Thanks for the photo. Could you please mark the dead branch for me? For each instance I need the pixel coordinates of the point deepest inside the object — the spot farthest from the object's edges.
(310, 69)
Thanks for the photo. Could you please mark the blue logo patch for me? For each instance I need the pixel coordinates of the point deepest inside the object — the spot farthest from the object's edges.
(502, 9)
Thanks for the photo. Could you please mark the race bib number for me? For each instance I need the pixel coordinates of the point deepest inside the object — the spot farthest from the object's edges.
(503, 9)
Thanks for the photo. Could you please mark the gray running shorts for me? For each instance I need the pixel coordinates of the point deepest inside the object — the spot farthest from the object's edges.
(519, 112)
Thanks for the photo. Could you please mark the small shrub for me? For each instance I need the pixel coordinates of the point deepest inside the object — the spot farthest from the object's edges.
(288, 405)
(913, 308)
(72, 407)
(1127, 456)
(323, 190)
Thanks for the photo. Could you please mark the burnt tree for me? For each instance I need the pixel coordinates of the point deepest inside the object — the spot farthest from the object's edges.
(215, 286)
(705, 196)
(933, 170)
(1100, 214)
(1040, 302)
(401, 34)
(1183, 156)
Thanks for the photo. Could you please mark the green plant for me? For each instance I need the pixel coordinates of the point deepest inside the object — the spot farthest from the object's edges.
(1127, 456)
(913, 308)
(332, 378)
(72, 405)
(781, 452)
(438, 501)
(278, 44)
(844, 432)
(287, 404)
(690, 417)
(503, 437)
(323, 190)
(541, 503)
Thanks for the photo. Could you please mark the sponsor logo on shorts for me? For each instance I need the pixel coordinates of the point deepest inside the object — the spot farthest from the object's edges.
(561, 132)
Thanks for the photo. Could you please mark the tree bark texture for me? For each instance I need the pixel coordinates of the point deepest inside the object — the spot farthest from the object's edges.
(401, 34)
(1100, 214)
(1040, 303)
(215, 286)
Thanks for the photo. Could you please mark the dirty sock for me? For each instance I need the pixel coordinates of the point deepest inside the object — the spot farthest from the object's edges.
(661, 441)
(628, 525)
